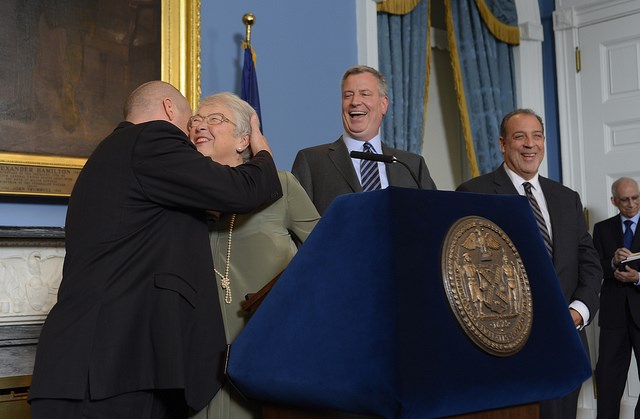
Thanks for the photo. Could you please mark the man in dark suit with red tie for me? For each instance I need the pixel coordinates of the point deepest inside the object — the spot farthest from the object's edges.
(619, 320)
(137, 332)
(574, 258)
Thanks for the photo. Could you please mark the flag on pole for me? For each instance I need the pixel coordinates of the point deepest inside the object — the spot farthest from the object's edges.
(249, 90)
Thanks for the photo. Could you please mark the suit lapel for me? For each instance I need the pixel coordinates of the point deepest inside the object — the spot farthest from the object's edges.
(611, 230)
(616, 230)
(339, 156)
(635, 243)
(554, 204)
(393, 170)
(502, 184)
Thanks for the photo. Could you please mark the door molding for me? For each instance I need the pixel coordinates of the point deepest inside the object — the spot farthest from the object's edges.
(566, 22)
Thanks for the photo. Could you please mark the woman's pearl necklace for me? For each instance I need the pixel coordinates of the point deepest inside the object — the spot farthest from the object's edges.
(225, 283)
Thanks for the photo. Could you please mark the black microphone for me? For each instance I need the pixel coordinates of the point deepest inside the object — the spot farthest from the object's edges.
(384, 158)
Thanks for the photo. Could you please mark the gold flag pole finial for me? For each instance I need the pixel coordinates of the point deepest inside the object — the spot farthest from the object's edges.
(248, 19)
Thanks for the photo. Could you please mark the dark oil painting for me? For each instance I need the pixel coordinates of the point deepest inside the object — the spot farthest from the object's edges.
(66, 67)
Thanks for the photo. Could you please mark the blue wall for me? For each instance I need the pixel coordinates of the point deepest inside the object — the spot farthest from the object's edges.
(302, 50)
(43, 212)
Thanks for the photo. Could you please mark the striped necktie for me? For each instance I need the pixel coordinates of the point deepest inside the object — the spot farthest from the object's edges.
(542, 226)
(370, 178)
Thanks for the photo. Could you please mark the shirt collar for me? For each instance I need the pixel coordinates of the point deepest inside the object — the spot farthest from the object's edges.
(517, 180)
(634, 218)
(356, 145)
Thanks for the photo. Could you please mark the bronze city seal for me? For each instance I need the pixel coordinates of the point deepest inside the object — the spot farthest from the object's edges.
(487, 286)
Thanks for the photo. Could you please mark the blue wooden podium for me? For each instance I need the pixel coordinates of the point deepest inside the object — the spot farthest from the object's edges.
(359, 321)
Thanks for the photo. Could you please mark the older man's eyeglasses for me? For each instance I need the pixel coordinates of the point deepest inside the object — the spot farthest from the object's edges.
(211, 119)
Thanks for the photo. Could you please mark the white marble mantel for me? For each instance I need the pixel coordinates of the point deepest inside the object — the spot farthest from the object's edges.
(30, 272)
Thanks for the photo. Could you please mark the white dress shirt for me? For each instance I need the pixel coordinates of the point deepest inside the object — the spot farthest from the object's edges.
(536, 189)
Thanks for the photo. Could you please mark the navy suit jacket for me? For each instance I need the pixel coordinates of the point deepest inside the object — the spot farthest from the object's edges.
(326, 171)
(615, 296)
(575, 259)
(138, 305)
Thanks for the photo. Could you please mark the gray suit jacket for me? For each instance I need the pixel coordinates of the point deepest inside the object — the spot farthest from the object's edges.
(576, 261)
(326, 171)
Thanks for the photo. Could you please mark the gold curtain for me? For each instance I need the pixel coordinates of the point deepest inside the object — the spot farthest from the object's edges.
(505, 33)
(501, 31)
(397, 7)
(459, 88)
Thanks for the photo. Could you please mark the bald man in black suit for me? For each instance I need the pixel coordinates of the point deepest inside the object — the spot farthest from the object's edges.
(134, 333)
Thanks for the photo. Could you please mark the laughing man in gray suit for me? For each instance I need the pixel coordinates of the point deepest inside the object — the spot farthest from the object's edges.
(326, 171)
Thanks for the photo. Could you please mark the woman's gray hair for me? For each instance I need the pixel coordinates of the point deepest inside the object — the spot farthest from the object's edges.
(241, 113)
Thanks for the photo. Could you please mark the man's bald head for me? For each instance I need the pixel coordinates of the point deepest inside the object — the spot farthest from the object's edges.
(157, 100)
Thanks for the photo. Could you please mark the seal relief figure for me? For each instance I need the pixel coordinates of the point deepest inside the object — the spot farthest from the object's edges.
(487, 286)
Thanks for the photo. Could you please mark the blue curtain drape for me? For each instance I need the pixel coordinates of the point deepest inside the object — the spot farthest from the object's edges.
(402, 49)
(483, 67)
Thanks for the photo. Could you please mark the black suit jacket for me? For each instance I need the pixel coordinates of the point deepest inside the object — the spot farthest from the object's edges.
(326, 171)
(615, 297)
(138, 306)
(575, 259)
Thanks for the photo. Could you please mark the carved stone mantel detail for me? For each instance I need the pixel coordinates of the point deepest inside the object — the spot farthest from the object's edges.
(30, 273)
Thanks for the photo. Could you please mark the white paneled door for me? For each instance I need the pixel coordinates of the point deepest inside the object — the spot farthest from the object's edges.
(610, 87)
(610, 125)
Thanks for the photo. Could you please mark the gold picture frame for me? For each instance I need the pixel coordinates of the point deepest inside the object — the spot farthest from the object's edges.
(45, 175)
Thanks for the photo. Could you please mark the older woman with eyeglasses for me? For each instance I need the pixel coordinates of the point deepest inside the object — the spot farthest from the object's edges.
(248, 249)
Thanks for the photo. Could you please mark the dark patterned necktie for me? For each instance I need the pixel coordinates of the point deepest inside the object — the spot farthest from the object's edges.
(542, 226)
(628, 234)
(370, 178)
